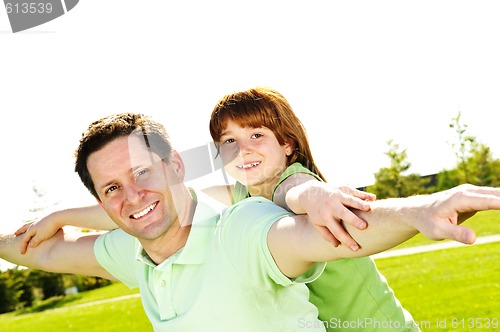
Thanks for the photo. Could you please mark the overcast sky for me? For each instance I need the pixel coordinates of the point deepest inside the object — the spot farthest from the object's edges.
(358, 73)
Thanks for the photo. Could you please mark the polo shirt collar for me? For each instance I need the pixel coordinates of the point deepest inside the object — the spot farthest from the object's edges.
(205, 218)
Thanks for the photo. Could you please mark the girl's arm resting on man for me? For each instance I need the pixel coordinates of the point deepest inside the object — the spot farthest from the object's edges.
(91, 217)
(65, 252)
(328, 208)
(296, 245)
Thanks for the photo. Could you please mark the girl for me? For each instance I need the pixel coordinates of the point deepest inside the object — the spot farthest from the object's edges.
(264, 147)
(244, 125)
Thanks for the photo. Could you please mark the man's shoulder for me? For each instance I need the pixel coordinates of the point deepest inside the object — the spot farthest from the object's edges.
(114, 237)
(252, 202)
(253, 209)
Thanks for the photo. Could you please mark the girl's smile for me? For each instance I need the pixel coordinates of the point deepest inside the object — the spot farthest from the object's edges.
(253, 156)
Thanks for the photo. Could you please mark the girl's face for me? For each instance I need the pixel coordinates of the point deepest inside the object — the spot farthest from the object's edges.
(253, 156)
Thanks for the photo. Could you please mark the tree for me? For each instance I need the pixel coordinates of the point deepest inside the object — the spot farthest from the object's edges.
(391, 182)
(51, 284)
(7, 293)
(23, 286)
(462, 147)
(475, 163)
(84, 283)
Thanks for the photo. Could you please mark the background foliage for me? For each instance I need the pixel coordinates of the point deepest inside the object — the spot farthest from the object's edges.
(474, 164)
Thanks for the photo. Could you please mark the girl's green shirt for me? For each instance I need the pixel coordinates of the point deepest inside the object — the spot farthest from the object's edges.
(351, 294)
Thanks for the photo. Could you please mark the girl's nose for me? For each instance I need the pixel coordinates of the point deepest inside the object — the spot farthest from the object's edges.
(244, 147)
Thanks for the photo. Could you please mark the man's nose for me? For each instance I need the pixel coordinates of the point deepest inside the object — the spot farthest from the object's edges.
(133, 193)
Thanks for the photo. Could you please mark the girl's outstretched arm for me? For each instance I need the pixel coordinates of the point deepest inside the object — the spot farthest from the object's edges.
(91, 217)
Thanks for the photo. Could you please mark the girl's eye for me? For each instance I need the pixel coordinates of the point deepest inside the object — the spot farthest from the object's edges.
(256, 135)
(229, 140)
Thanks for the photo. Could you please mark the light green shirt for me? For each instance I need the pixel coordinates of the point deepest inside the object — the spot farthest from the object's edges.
(224, 279)
(351, 294)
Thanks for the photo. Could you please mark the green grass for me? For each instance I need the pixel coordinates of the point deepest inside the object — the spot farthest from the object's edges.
(113, 290)
(122, 315)
(454, 284)
(448, 287)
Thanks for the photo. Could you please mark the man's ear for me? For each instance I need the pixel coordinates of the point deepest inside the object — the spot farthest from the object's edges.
(177, 165)
(99, 202)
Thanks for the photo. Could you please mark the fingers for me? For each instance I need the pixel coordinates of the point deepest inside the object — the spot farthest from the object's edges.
(25, 229)
(22, 229)
(27, 240)
(327, 235)
(337, 229)
(358, 193)
(478, 189)
(471, 200)
(24, 243)
(341, 212)
(350, 218)
(461, 234)
(354, 202)
(481, 200)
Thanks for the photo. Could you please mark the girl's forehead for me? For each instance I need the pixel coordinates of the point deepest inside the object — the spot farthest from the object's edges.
(231, 126)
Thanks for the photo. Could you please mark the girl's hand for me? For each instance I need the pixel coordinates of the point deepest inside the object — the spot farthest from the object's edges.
(35, 232)
(329, 209)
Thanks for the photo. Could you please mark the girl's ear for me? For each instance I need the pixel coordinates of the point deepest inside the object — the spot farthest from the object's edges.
(289, 146)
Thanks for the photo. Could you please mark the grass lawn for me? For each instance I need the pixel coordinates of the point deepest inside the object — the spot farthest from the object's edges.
(449, 290)
(71, 314)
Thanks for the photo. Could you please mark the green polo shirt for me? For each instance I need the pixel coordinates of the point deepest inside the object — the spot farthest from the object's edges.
(224, 279)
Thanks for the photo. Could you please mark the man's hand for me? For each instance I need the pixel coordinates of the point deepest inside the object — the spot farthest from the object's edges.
(442, 213)
(296, 244)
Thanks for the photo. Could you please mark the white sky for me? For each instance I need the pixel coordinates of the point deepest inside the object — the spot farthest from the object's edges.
(358, 73)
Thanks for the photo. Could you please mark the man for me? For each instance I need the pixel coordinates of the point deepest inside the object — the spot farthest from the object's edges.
(197, 269)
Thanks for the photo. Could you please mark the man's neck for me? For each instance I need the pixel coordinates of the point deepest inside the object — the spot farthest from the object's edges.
(176, 237)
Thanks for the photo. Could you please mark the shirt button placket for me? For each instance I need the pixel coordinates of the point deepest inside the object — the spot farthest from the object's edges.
(165, 290)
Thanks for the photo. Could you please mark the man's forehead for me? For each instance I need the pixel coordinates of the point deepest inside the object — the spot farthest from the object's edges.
(131, 151)
(139, 152)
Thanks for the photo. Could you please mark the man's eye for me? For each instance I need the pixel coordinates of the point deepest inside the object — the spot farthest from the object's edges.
(110, 190)
(141, 173)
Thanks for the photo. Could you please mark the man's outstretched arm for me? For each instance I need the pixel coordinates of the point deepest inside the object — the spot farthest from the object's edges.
(66, 252)
(295, 243)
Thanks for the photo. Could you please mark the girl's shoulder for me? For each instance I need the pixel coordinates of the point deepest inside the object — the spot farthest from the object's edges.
(222, 193)
(296, 168)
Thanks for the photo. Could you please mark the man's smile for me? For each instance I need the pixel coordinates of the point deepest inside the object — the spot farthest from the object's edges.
(144, 212)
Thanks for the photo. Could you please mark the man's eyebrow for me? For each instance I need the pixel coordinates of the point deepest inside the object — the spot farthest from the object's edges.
(110, 182)
(101, 188)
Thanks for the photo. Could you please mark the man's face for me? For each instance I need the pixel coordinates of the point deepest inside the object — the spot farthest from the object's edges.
(133, 185)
